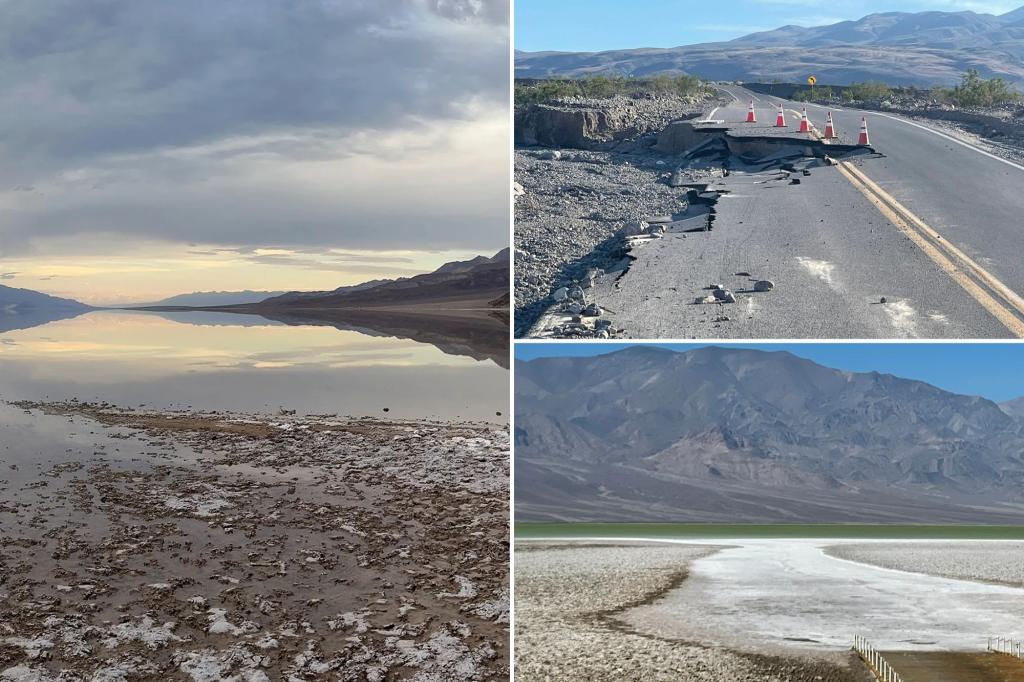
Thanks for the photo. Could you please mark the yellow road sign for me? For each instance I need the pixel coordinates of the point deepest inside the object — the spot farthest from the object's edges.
(811, 80)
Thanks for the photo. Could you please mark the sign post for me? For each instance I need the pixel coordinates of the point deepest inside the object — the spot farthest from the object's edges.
(811, 80)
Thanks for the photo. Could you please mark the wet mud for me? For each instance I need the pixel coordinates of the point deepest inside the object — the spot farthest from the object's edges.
(150, 545)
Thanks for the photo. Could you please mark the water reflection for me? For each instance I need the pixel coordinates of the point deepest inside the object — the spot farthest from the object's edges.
(15, 321)
(241, 362)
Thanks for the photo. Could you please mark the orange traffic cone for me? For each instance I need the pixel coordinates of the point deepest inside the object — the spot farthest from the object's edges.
(830, 131)
(751, 117)
(780, 120)
(805, 126)
(863, 139)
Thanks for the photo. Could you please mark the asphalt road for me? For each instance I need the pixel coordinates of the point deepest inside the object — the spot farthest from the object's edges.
(931, 223)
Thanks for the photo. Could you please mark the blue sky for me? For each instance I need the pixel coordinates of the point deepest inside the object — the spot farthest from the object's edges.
(593, 25)
(992, 370)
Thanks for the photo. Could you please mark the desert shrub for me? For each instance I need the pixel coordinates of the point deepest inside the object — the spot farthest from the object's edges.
(869, 90)
(601, 86)
(975, 91)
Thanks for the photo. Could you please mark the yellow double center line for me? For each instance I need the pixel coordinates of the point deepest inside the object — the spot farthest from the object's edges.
(997, 298)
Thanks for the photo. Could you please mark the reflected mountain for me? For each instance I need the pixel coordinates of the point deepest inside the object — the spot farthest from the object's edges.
(206, 318)
(24, 308)
(17, 320)
(479, 335)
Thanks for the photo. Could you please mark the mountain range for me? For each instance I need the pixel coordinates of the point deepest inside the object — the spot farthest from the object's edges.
(900, 48)
(20, 301)
(215, 298)
(24, 308)
(480, 279)
(731, 435)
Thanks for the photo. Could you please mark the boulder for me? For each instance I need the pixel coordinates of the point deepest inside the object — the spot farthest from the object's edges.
(635, 228)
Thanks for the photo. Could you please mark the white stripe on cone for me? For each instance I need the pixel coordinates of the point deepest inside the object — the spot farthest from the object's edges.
(830, 130)
(804, 124)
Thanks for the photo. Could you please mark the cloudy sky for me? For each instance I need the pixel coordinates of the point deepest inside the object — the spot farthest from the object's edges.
(592, 25)
(149, 148)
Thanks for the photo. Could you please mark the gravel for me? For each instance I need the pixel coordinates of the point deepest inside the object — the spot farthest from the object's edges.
(568, 597)
(571, 204)
(570, 219)
(990, 562)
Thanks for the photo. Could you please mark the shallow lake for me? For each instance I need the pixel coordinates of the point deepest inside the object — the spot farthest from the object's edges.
(414, 365)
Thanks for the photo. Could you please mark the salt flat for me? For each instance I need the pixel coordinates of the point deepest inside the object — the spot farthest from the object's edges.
(788, 594)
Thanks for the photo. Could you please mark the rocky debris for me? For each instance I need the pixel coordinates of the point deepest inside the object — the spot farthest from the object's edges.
(764, 285)
(634, 228)
(570, 223)
(570, 598)
(208, 546)
(590, 123)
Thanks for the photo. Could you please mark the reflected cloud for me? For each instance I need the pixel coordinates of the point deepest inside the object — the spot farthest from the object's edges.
(350, 367)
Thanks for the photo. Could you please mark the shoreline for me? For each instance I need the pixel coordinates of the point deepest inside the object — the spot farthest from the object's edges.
(145, 542)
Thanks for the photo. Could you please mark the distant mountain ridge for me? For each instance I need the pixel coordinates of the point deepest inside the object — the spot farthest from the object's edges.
(718, 434)
(20, 301)
(216, 298)
(24, 308)
(901, 48)
(1014, 408)
(478, 278)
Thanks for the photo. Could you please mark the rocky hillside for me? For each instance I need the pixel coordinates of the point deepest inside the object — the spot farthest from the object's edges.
(1014, 408)
(21, 301)
(924, 48)
(742, 435)
(480, 278)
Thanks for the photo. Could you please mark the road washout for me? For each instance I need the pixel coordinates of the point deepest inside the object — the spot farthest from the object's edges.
(703, 163)
(185, 545)
(570, 598)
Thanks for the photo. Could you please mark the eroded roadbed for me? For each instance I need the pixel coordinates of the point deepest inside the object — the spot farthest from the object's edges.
(148, 545)
(837, 268)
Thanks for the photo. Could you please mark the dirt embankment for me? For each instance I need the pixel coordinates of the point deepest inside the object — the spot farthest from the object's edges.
(585, 166)
(614, 123)
(250, 548)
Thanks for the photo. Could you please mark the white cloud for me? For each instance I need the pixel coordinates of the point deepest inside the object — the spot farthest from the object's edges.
(336, 123)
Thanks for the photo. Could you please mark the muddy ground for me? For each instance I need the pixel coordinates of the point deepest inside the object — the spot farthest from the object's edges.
(185, 546)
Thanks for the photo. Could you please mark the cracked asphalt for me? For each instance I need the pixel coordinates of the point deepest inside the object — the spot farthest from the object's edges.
(831, 253)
